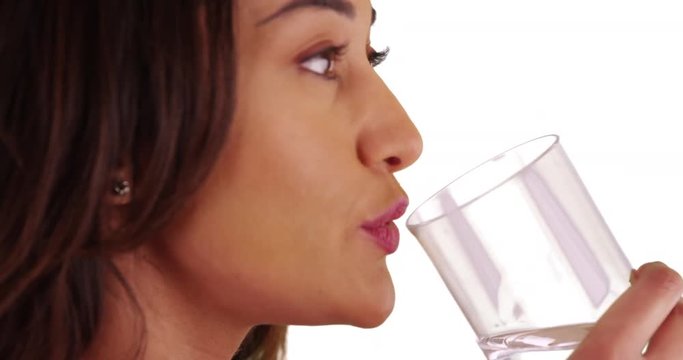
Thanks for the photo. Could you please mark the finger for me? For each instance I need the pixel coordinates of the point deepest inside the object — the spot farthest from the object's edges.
(666, 343)
(631, 321)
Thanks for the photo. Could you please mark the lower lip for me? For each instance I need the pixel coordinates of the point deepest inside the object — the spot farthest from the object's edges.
(385, 236)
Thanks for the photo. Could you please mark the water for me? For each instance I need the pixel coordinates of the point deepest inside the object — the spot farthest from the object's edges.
(547, 343)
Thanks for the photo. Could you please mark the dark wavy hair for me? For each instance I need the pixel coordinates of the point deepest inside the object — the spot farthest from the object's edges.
(84, 87)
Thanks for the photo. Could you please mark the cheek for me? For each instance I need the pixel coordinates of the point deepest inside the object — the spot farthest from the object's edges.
(245, 240)
(275, 226)
(292, 171)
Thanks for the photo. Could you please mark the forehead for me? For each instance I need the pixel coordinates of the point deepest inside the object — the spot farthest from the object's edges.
(258, 7)
(259, 10)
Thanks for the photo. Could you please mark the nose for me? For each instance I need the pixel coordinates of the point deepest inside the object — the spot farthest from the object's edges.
(388, 139)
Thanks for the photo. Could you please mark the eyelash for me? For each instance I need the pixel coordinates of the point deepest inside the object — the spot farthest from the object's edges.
(334, 54)
(377, 57)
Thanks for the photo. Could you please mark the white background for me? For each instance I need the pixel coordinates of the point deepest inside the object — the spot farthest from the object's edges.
(480, 76)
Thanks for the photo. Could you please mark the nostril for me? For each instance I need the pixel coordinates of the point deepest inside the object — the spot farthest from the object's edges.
(393, 161)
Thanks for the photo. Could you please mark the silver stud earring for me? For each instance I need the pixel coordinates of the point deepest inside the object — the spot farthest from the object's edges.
(121, 188)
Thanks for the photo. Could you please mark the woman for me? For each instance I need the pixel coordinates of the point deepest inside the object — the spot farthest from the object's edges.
(177, 173)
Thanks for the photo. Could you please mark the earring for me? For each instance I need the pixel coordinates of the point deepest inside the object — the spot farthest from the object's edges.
(121, 188)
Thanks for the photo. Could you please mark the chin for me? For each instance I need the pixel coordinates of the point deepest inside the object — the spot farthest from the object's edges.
(373, 312)
(373, 320)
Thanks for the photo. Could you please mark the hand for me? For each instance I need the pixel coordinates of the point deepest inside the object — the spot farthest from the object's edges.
(650, 311)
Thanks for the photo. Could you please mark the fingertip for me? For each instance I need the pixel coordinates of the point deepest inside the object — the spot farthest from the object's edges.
(651, 265)
(660, 276)
(633, 276)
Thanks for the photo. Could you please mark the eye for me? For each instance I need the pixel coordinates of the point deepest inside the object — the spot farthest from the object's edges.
(323, 63)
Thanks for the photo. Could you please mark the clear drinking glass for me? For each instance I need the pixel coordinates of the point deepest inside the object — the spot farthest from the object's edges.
(524, 251)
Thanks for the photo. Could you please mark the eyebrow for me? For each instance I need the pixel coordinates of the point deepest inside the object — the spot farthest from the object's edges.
(342, 7)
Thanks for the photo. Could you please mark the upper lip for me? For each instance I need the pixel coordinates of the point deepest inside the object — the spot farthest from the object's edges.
(392, 213)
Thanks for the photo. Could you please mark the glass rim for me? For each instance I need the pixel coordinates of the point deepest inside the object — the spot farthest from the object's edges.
(410, 221)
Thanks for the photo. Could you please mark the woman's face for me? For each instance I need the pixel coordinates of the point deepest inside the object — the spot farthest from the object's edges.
(293, 224)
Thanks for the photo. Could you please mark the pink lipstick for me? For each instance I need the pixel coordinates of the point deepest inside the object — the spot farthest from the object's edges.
(382, 228)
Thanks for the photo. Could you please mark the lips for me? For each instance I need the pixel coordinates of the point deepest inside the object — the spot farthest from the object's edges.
(382, 228)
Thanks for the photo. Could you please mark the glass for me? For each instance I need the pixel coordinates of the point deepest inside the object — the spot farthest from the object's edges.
(524, 251)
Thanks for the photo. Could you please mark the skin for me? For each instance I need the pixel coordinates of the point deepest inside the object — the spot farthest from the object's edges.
(274, 234)
(649, 311)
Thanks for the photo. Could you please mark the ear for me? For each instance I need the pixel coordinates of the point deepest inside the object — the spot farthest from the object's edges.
(117, 196)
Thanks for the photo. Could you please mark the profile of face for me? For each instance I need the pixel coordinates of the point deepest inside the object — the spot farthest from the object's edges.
(292, 226)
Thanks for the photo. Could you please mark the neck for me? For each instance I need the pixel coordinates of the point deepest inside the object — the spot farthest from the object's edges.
(161, 320)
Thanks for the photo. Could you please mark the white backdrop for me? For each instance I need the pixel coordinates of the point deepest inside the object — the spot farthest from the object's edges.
(480, 76)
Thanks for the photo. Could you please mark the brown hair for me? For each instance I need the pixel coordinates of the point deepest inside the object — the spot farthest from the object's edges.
(86, 86)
